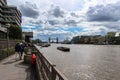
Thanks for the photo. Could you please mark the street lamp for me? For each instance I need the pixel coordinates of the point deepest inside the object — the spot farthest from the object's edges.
(7, 26)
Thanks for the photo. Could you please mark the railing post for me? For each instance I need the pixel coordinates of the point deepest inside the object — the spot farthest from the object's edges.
(53, 75)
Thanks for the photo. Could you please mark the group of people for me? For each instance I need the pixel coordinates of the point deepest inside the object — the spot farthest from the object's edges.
(19, 49)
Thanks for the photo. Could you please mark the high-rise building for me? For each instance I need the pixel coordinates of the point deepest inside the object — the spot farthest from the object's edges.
(3, 2)
(2, 29)
(8, 15)
(11, 15)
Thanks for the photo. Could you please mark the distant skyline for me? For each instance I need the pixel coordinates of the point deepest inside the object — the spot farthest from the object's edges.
(68, 18)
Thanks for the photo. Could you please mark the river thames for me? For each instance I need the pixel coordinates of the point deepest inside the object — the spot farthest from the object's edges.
(86, 62)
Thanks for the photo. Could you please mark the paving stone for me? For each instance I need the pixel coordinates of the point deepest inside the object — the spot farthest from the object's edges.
(10, 69)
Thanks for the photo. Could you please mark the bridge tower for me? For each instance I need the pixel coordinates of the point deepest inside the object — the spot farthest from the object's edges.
(56, 39)
(52, 40)
(49, 40)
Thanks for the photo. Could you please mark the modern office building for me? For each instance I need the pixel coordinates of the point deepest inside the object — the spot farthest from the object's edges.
(8, 15)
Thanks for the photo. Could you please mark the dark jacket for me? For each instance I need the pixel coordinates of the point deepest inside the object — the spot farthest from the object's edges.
(17, 47)
(22, 47)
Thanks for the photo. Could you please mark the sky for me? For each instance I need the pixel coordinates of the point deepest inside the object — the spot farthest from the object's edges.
(68, 18)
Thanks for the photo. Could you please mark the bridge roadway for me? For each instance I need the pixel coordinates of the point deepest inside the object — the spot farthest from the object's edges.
(10, 69)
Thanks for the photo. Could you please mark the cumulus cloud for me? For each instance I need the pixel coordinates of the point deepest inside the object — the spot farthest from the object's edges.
(46, 29)
(53, 22)
(109, 12)
(113, 25)
(70, 22)
(74, 14)
(29, 10)
(56, 11)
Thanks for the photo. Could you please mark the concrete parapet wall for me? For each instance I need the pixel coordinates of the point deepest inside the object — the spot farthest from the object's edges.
(3, 43)
(3, 48)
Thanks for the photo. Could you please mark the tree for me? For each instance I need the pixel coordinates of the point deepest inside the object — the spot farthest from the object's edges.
(15, 32)
(36, 41)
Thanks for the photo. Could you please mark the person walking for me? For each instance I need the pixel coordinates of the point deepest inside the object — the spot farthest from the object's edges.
(21, 50)
(17, 51)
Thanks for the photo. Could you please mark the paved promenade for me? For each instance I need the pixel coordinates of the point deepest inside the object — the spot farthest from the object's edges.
(10, 69)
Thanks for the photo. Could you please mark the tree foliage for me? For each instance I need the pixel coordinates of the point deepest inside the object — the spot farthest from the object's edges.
(15, 32)
(36, 41)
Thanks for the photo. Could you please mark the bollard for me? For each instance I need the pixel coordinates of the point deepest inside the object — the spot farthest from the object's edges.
(33, 59)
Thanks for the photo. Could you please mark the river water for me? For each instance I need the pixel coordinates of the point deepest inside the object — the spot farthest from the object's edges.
(86, 62)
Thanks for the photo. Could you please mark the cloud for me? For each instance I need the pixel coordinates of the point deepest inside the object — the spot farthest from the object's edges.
(46, 29)
(70, 22)
(93, 30)
(29, 26)
(29, 10)
(53, 22)
(74, 14)
(113, 25)
(56, 11)
(57, 17)
(110, 12)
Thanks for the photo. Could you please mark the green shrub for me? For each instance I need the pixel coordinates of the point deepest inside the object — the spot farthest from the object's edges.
(5, 52)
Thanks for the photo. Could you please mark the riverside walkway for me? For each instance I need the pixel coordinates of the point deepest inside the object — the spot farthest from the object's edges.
(10, 69)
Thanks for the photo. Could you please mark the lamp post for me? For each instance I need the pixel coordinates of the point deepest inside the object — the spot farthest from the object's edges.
(7, 26)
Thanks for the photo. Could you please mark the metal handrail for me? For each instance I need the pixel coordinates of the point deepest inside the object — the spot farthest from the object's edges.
(45, 69)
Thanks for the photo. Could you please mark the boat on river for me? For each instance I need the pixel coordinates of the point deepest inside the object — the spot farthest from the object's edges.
(63, 49)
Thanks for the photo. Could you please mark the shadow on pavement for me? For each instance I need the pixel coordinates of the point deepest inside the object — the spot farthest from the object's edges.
(31, 74)
(9, 62)
(21, 64)
(29, 69)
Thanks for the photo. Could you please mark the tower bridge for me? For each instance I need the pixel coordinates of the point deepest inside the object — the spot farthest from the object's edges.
(53, 40)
